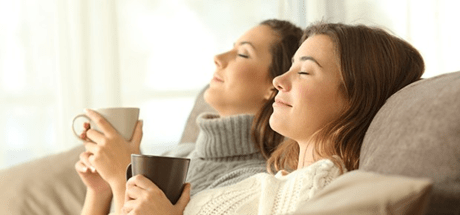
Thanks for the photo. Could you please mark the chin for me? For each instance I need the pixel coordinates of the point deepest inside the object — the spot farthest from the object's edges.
(206, 95)
(274, 123)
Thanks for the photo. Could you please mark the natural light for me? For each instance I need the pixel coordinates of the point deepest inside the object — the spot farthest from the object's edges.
(58, 57)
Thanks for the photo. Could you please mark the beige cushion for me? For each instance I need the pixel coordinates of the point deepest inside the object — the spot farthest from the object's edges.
(360, 193)
(417, 134)
(44, 186)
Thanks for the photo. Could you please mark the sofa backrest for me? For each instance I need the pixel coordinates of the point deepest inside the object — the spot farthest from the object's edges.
(417, 133)
(191, 129)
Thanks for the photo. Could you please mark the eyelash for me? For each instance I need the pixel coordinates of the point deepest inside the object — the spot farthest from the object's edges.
(303, 73)
(242, 55)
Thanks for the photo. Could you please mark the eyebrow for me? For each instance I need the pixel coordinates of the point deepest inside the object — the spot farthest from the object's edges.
(246, 42)
(305, 58)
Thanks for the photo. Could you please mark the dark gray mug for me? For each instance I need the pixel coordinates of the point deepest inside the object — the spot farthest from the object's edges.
(168, 173)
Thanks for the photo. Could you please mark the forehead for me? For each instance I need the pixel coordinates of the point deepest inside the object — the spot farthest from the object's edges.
(261, 37)
(319, 47)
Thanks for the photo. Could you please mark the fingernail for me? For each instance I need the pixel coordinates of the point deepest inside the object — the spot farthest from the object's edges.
(93, 169)
(84, 169)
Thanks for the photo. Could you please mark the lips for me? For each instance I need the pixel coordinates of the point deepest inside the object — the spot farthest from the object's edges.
(217, 78)
(281, 102)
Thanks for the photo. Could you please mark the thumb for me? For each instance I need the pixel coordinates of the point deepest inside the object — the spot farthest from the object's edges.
(185, 197)
(137, 136)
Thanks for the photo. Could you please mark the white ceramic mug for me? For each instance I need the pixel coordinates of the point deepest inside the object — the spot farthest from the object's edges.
(123, 119)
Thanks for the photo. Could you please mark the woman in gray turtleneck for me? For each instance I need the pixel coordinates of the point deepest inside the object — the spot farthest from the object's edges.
(235, 143)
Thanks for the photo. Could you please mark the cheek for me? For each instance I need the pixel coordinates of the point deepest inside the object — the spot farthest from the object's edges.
(251, 80)
(304, 97)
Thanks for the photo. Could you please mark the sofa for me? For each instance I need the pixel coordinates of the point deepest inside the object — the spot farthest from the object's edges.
(409, 163)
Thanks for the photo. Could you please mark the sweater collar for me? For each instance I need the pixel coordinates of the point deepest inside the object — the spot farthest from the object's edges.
(224, 136)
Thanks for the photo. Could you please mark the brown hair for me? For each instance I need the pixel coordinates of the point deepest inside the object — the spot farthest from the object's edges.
(374, 65)
(282, 50)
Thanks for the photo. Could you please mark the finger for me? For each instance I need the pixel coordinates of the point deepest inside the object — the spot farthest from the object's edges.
(101, 122)
(141, 182)
(86, 126)
(84, 157)
(83, 136)
(185, 197)
(126, 209)
(81, 167)
(137, 136)
(95, 136)
(91, 147)
(133, 192)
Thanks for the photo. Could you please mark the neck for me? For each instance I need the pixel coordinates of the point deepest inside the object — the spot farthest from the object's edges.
(306, 153)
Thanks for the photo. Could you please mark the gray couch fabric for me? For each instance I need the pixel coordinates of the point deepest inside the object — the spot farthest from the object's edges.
(417, 133)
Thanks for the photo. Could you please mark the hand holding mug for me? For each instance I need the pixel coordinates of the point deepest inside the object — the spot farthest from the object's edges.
(122, 119)
(156, 185)
(110, 142)
(143, 196)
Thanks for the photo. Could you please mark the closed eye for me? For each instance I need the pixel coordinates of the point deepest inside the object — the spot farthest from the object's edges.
(242, 55)
(303, 73)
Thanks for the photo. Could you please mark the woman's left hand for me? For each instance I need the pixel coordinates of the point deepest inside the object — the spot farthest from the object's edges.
(144, 197)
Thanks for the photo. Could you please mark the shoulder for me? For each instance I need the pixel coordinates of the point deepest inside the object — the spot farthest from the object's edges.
(317, 175)
(324, 169)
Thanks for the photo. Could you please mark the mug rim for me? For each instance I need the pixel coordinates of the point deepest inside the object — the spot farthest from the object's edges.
(117, 108)
(159, 156)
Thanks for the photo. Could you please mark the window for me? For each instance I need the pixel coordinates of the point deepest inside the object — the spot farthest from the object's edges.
(58, 57)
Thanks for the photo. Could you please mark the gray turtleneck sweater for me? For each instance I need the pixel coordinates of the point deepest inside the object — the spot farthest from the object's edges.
(223, 154)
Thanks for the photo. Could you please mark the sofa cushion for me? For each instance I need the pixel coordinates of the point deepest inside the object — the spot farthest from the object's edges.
(46, 186)
(191, 129)
(359, 193)
(417, 133)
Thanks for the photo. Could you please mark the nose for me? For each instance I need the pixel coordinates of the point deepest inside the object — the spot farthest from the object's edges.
(280, 82)
(220, 60)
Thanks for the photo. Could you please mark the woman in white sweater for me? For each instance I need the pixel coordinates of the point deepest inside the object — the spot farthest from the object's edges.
(233, 144)
(340, 77)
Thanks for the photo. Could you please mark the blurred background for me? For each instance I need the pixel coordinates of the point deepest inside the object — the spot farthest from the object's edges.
(58, 57)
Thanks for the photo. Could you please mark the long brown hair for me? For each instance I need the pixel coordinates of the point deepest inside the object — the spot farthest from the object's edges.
(374, 65)
(282, 50)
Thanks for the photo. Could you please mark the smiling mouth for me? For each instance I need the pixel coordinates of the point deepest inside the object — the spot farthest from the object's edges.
(279, 102)
(215, 78)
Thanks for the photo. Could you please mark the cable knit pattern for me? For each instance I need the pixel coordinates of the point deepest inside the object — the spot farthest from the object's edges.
(224, 153)
(265, 193)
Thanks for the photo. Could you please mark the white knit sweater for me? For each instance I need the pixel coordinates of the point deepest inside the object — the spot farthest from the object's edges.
(264, 193)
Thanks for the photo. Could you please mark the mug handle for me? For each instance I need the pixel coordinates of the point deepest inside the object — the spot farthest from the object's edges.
(129, 172)
(73, 123)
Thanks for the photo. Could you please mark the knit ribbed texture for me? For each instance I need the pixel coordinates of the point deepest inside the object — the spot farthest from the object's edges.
(224, 152)
(265, 193)
(226, 138)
